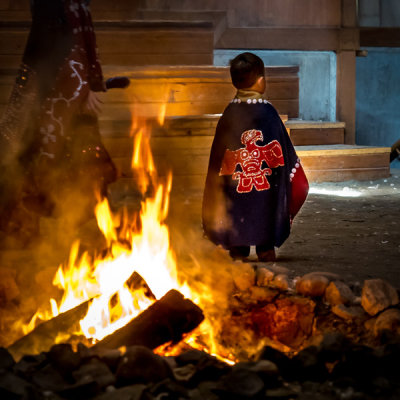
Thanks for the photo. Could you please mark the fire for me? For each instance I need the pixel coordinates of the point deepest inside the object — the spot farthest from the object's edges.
(144, 250)
(141, 248)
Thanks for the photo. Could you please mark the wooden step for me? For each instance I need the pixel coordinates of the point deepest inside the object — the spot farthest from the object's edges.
(182, 91)
(187, 126)
(132, 42)
(196, 90)
(336, 163)
(187, 133)
(321, 163)
(183, 145)
(308, 133)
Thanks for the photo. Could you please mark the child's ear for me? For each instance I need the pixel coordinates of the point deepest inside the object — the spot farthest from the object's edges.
(261, 84)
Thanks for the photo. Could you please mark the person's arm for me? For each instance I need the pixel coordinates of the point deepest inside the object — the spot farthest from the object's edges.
(93, 104)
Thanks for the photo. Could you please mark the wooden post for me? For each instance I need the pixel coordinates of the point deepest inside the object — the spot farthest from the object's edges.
(346, 70)
(346, 93)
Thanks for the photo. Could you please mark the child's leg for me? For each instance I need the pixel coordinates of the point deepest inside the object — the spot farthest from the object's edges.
(239, 252)
(265, 253)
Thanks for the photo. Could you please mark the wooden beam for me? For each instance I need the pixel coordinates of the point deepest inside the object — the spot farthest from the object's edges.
(349, 39)
(380, 37)
(279, 38)
(349, 13)
(346, 93)
(289, 38)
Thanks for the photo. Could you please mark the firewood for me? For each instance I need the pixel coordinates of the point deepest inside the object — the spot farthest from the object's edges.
(167, 320)
(44, 335)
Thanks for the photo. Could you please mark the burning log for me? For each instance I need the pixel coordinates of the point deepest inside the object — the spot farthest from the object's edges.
(45, 335)
(164, 321)
(136, 282)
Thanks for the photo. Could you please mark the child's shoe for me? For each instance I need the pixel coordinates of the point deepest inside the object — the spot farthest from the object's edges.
(239, 252)
(266, 256)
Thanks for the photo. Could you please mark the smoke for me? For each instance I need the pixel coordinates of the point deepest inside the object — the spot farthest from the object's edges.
(207, 269)
(37, 233)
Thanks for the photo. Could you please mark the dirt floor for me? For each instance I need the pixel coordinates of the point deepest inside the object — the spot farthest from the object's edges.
(355, 237)
(348, 228)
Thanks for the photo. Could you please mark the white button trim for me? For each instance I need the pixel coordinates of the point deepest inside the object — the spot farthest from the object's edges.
(294, 170)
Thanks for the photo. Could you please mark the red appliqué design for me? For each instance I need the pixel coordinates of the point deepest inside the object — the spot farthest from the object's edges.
(250, 159)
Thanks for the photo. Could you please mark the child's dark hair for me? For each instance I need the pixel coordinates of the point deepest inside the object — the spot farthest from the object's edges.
(245, 69)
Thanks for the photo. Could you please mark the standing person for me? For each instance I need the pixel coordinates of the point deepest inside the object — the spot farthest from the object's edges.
(49, 132)
(255, 183)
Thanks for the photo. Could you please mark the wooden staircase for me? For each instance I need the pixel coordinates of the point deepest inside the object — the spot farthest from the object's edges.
(168, 56)
(193, 99)
(132, 43)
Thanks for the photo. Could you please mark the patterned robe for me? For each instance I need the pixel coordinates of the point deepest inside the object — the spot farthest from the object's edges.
(46, 130)
(248, 197)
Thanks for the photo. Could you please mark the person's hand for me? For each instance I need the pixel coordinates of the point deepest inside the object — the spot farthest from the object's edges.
(93, 104)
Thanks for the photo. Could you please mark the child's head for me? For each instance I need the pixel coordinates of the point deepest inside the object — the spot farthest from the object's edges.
(246, 69)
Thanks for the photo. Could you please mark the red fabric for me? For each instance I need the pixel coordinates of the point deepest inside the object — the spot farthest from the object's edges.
(299, 191)
(251, 158)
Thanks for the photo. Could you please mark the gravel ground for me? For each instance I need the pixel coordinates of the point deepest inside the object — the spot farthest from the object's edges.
(349, 228)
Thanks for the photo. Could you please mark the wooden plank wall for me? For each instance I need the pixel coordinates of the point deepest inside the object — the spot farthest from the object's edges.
(252, 13)
(195, 90)
(326, 25)
(249, 13)
(128, 43)
(191, 98)
(105, 10)
(183, 90)
(329, 25)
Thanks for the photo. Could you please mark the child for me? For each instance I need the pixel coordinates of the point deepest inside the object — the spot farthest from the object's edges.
(255, 183)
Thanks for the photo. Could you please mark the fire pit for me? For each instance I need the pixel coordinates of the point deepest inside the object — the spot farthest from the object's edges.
(238, 331)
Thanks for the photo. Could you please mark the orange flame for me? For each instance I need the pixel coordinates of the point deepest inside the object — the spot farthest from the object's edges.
(145, 251)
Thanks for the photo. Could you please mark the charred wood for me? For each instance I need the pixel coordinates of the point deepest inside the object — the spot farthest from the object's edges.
(44, 336)
(167, 320)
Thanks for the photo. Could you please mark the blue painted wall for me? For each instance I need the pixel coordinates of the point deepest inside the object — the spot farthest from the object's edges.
(378, 97)
(377, 88)
(317, 75)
